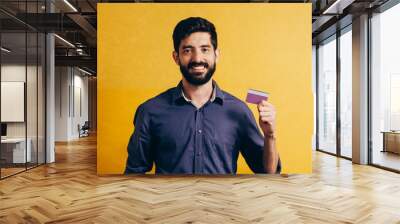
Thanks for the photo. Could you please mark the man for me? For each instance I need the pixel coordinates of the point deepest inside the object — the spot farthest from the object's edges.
(196, 128)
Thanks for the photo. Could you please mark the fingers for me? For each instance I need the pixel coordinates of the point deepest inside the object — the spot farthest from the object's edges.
(266, 113)
(264, 102)
(265, 106)
(267, 119)
(267, 116)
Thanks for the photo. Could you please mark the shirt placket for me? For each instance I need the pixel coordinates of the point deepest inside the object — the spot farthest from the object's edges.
(198, 165)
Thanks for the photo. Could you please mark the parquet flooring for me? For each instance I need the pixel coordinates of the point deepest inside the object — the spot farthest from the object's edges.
(69, 191)
(10, 171)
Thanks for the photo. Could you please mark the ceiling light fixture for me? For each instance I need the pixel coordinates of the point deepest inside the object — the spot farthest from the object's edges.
(84, 71)
(337, 7)
(5, 50)
(64, 40)
(71, 6)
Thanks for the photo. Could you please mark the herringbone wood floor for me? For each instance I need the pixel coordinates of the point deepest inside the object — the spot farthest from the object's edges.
(69, 191)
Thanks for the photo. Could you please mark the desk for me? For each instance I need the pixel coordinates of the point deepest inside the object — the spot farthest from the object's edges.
(391, 141)
(15, 148)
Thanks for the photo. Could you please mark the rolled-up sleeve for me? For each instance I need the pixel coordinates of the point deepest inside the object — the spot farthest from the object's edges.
(252, 144)
(140, 152)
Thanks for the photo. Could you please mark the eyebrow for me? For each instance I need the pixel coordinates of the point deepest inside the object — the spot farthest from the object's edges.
(190, 46)
(187, 46)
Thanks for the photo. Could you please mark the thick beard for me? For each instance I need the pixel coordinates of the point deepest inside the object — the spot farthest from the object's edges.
(197, 80)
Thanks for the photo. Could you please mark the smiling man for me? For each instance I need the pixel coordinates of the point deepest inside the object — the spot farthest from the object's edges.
(196, 128)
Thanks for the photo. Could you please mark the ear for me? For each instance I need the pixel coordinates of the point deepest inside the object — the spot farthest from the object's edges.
(217, 54)
(175, 56)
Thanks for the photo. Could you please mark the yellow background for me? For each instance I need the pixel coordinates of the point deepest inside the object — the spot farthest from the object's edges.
(263, 46)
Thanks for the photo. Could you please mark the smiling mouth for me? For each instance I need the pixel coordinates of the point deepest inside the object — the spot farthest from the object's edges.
(198, 68)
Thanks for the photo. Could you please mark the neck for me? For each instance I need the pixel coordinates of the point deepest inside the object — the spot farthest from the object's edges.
(199, 95)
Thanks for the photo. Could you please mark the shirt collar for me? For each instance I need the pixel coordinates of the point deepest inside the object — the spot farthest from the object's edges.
(179, 96)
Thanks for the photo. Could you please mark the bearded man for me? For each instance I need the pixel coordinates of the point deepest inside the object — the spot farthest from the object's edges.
(195, 127)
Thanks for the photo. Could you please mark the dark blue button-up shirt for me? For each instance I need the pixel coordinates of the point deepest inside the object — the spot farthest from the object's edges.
(183, 139)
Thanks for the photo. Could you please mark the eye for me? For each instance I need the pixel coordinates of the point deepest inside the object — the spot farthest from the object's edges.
(186, 50)
(205, 50)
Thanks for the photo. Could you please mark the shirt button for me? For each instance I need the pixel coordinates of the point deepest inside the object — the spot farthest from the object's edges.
(199, 131)
(199, 154)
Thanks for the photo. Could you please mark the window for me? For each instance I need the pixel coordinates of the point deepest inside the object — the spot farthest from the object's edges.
(346, 93)
(385, 88)
(327, 95)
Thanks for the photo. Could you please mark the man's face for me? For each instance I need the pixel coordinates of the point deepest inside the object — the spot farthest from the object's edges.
(197, 58)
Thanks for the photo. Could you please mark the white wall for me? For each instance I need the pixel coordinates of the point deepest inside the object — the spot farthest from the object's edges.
(71, 94)
(16, 72)
(62, 81)
(80, 84)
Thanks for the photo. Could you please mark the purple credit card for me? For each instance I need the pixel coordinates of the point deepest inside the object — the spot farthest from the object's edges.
(255, 96)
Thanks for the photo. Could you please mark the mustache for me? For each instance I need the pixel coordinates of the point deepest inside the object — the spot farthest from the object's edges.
(192, 64)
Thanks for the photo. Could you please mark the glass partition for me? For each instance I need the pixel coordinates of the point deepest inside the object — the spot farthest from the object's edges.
(327, 95)
(14, 153)
(22, 88)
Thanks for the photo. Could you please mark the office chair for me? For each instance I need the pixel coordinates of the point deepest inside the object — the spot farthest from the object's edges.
(84, 130)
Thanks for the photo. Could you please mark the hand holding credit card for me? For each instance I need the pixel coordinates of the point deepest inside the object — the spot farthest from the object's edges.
(266, 111)
(256, 96)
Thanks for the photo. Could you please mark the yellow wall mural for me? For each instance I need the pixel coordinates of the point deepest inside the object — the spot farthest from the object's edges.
(262, 46)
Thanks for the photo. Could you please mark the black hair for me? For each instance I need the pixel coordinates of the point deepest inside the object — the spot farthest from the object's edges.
(191, 25)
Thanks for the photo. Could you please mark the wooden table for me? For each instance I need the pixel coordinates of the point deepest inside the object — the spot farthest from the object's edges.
(391, 141)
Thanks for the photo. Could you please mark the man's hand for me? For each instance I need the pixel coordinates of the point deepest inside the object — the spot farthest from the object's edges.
(267, 117)
(267, 123)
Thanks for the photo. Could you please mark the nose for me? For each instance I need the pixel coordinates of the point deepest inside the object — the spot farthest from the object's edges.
(196, 56)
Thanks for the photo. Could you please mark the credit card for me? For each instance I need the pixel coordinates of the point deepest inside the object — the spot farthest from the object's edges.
(255, 96)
